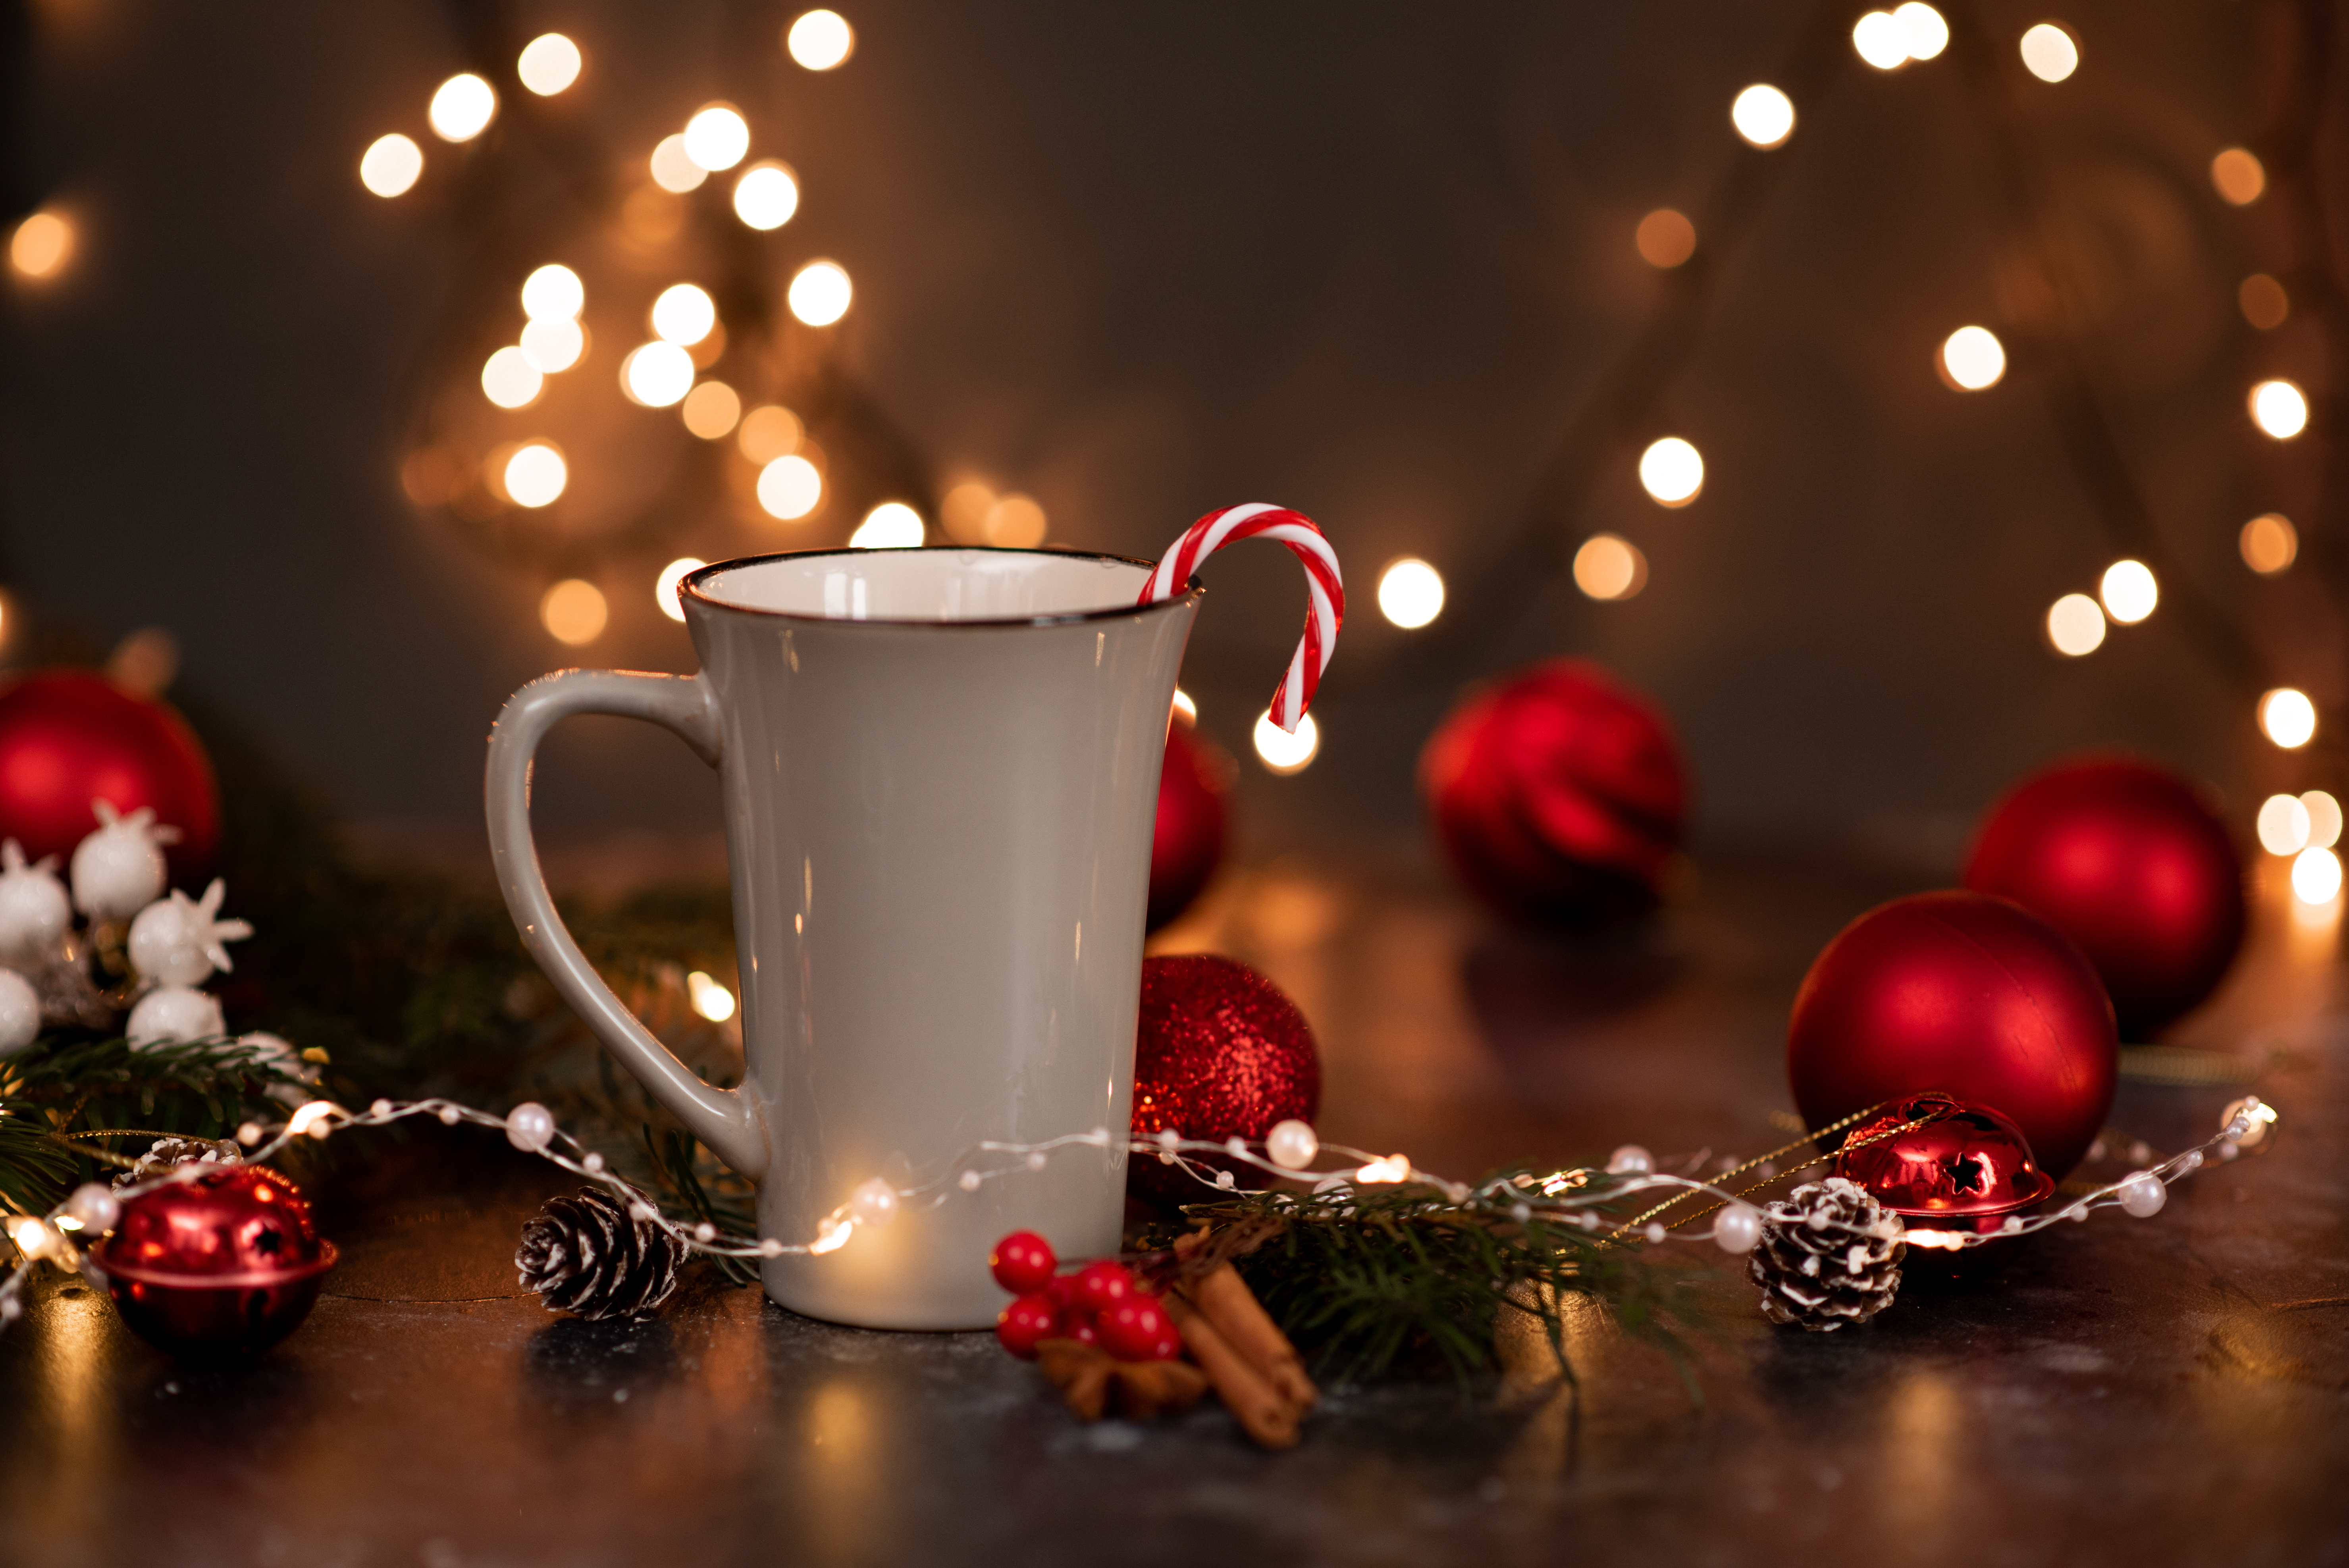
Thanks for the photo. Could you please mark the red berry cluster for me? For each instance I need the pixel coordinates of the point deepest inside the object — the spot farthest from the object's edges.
(1100, 1303)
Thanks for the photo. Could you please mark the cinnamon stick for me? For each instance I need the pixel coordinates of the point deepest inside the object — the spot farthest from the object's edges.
(1092, 1381)
(1225, 1299)
(1146, 1389)
(1267, 1417)
(1080, 1371)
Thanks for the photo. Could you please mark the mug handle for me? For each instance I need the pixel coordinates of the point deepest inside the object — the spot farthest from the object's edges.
(722, 1118)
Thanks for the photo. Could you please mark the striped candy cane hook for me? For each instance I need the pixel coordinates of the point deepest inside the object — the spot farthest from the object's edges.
(1322, 587)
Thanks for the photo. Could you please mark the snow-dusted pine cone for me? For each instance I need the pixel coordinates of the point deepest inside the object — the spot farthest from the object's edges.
(588, 1256)
(1830, 1254)
(166, 1152)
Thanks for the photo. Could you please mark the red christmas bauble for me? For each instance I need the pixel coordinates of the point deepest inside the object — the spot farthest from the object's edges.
(1967, 994)
(70, 737)
(1559, 794)
(1220, 1053)
(226, 1263)
(2128, 861)
(1188, 843)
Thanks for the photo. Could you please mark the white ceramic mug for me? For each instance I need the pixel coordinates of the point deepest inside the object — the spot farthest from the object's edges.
(940, 773)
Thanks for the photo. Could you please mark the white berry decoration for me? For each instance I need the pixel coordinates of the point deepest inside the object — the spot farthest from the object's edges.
(176, 941)
(20, 1013)
(118, 870)
(174, 1016)
(34, 913)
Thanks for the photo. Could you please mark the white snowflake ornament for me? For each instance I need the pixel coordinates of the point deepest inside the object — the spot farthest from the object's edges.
(118, 870)
(174, 1016)
(34, 913)
(176, 941)
(20, 1013)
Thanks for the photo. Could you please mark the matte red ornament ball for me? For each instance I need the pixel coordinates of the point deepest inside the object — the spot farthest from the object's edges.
(1220, 1052)
(2128, 860)
(1968, 995)
(71, 737)
(1187, 844)
(1559, 794)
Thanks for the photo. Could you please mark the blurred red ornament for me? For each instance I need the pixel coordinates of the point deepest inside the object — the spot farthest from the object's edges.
(1965, 994)
(1188, 843)
(71, 737)
(2128, 861)
(1559, 794)
(222, 1264)
(1220, 1053)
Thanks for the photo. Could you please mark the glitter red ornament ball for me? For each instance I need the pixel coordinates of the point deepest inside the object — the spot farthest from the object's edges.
(2128, 860)
(71, 737)
(1188, 843)
(1967, 994)
(1220, 1053)
(223, 1264)
(1559, 795)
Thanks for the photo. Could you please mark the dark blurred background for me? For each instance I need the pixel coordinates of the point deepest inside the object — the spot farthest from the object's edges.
(1374, 260)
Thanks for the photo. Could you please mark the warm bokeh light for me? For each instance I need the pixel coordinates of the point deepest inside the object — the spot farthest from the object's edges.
(2237, 175)
(2075, 625)
(574, 611)
(2129, 590)
(2324, 818)
(717, 137)
(767, 432)
(673, 166)
(1184, 708)
(711, 1000)
(2050, 53)
(511, 379)
(684, 314)
(1880, 40)
(820, 293)
(664, 585)
(1924, 31)
(548, 63)
(41, 246)
(1411, 592)
(711, 410)
(820, 40)
(1671, 471)
(2269, 542)
(535, 474)
(1282, 752)
(2263, 302)
(555, 292)
(391, 165)
(790, 487)
(2287, 718)
(657, 375)
(2282, 825)
(2280, 408)
(2316, 876)
(1015, 523)
(964, 509)
(1665, 238)
(892, 525)
(1609, 566)
(555, 343)
(766, 195)
(462, 107)
(1972, 358)
(1763, 115)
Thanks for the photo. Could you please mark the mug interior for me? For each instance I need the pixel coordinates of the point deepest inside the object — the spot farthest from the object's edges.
(931, 585)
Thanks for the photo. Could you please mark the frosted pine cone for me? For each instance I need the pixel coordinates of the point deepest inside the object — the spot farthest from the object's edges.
(1830, 1254)
(166, 1152)
(589, 1255)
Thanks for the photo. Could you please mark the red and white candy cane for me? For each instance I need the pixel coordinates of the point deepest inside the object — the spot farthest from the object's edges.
(1323, 615)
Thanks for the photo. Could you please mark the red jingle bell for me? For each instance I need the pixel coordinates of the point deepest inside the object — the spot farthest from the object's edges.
(2128, 861)
(1559, 795)
(1187, 842)
(71, 737)
(1220, 1052)
(1963, 1168)
(1966, 994)
(223, 1263)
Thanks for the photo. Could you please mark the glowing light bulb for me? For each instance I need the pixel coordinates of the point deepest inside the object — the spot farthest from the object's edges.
(1763, 115)
(2075, 625)
(391, 165)
(1014, 523)
(462, 107)
(553, 292)
(711, 410)
(2050, 53)
(717, 137)
(41, 245)
(2288, 718)
(1394, 1168)
(1609, 566)
(1411, 592)
(820, 293)
(555, 343)
(2129, 590)
(766, 195)
(832, 1233)
(1665, 238)
(1185, 707)
(769, 432)
(2269, 543)
(710, 999)
(664, 595)
(2238, 176)
(2280, 408)
(2263, 302)
(673, 166)
(535, 474)
(790, 487)
(1281, 751)
(548, 63)
(2324, 818)
(1672, 471)
(2316, 876)
(574, 612)
(684, 314)
(820, 40)
(1972, 358)
(1923, 32)
(1880, 40)
(658, 373)
(2284, 825)
(512, 378)
(892, 525)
